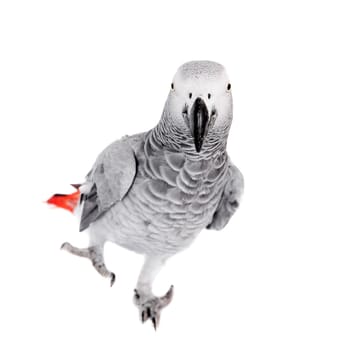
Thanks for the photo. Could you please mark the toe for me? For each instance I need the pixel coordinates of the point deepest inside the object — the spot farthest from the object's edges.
(168, 297)
(65, 245)
(145, 314)
(112, 279)
(137, 297)
(151, 307)
(155, 320)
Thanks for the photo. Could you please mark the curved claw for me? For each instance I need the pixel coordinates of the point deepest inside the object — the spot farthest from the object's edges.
(136, 298)
(168, 297)
(65, 245)
(155, 322)
(146, 314)
(151, 308)
(112, 279)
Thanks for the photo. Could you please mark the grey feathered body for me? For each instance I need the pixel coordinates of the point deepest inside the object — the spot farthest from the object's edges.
(154, 192)
(174, 195)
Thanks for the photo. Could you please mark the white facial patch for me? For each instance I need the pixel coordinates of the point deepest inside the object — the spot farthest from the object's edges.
(206, 80)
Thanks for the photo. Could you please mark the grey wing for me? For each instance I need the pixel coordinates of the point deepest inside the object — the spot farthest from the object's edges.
(108, 181)
(230, 198)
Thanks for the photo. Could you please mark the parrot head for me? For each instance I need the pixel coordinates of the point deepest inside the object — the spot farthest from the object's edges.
(199, 104)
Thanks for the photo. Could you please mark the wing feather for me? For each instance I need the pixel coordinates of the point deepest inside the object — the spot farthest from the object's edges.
(110, 179)
(230, 198)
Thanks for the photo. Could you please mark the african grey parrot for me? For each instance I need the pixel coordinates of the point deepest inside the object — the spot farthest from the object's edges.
(155, 191)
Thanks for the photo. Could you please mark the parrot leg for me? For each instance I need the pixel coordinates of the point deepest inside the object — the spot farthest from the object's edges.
(149, 305)
(75, 251)
(95, 254)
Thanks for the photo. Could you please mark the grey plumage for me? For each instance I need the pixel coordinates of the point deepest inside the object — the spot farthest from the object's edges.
(110, 179)
(173, 197)
(154, 192)
(230, 198)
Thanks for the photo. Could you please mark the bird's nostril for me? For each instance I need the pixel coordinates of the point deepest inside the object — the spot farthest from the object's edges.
(185, 111)
(209, 96)
(213, 116)
(190, 95)
(185, 115)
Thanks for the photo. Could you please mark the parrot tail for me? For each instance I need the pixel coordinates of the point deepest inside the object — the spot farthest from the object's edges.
(66, 201)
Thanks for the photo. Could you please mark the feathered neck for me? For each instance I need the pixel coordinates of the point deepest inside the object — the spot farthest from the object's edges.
(174, 138)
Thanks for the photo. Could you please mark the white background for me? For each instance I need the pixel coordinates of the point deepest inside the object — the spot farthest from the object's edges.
(76, 75)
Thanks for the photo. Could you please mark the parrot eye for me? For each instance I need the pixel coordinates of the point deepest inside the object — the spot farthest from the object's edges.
(190, 95)
(209, 96)
(172, 86)
(228, 87)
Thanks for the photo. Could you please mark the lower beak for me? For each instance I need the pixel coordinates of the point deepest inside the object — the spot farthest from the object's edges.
(199, 121)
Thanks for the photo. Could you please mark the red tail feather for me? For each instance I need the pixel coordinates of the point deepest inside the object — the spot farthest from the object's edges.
(65, 201)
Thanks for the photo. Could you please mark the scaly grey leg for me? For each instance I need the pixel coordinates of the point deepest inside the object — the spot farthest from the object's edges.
(149, 305)
(95, 254)
(76, 251)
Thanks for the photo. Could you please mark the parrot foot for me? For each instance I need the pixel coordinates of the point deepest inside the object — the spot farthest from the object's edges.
(95, 254)
(150, 307)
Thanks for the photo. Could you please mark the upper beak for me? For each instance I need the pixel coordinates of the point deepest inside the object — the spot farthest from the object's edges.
(199, 121)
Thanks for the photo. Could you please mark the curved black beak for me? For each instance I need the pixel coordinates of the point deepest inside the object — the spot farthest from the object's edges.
(199, 121)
